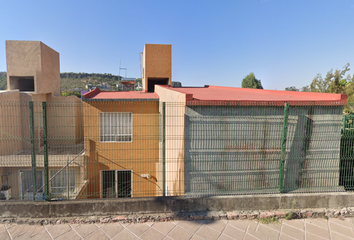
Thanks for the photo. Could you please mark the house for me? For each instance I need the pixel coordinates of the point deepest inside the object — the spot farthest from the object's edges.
(164, 140)
(123, 135)
(222, 140)
(122, 144)
(128, 84)
(33, 77)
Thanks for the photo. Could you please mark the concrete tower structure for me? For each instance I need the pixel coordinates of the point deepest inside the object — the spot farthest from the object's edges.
(32, 67)
(157, 66)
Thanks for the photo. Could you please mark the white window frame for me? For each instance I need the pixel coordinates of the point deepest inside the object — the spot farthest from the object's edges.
(60, 187)
(29, 194)
(119, 131)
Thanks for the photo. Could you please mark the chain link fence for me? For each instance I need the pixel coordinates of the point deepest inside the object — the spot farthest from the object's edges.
(112, 149)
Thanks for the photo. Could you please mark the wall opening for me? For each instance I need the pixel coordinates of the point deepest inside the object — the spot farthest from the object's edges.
(116, 183)
(23, 84)
(156, 81)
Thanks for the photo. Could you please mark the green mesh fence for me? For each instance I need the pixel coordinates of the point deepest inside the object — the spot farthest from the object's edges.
(133, 148)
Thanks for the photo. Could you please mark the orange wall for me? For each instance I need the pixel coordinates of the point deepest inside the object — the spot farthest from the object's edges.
(140, 155)
(157, 62)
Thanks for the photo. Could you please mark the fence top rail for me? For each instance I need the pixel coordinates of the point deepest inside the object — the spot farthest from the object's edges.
(192, 102)
(264, 103)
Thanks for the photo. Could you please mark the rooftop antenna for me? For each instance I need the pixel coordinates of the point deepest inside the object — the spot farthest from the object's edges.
(141, 67)
(122, 68)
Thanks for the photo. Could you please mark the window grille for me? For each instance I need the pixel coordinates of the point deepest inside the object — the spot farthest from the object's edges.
(116, 127)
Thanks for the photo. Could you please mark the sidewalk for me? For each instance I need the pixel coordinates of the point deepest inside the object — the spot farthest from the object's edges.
(221, 229)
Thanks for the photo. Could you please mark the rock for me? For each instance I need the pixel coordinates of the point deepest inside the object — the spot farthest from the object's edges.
(119, 218)
(266, 215)
(231, 215)
(279, 214)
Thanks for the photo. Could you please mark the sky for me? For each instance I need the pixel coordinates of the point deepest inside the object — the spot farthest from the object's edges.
(284, 42)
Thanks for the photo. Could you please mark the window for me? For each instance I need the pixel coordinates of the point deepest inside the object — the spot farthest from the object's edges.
(62, 181)
(116, 127)
(26, 184)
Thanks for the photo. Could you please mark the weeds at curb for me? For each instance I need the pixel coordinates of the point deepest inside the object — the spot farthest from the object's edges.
(268, 220)
(290, 214)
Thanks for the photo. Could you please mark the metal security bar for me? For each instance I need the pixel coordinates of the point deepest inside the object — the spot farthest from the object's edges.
(147, 148)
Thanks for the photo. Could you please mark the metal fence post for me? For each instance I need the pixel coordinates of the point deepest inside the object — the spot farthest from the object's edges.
(344, 121)
(283, 147)
(33, 154)
(45, 146)
(164, 149)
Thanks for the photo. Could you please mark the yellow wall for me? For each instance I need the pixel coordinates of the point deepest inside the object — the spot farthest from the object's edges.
(140, 155)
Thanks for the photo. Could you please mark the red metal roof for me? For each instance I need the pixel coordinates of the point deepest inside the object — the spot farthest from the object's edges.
(248, 96)
(128, 82)
(215, 95)
(110, 95)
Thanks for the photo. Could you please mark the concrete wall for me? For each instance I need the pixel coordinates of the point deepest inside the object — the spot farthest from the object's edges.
(236, 150)
(157, 62)
(182, 207)
(65, 133)
(23, 58)
(50, 65)
(175, 110)
(64, 119)
(141, 155)
(10, 123)
(33, 59)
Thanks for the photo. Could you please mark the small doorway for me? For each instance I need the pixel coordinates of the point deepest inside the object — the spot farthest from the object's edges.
(116, 183)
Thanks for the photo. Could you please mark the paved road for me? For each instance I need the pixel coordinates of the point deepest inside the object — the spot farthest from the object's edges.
(221, 229)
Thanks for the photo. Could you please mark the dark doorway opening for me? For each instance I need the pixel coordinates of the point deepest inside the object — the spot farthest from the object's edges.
(124, 184)
(108, 184)
(116, 183)
(23, 84)
(156, 81)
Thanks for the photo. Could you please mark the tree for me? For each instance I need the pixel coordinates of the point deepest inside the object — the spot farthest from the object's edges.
(250, 81)
(292, 88)
(334, 82)
(319, 84)
(349, 89)
(305, 89)
(338, 82)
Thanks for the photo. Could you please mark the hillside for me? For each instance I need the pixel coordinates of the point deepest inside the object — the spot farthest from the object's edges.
(3, 80)
(70, 81)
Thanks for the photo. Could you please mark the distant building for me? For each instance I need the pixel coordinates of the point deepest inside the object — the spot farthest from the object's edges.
(128, 84)
(176, 84)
